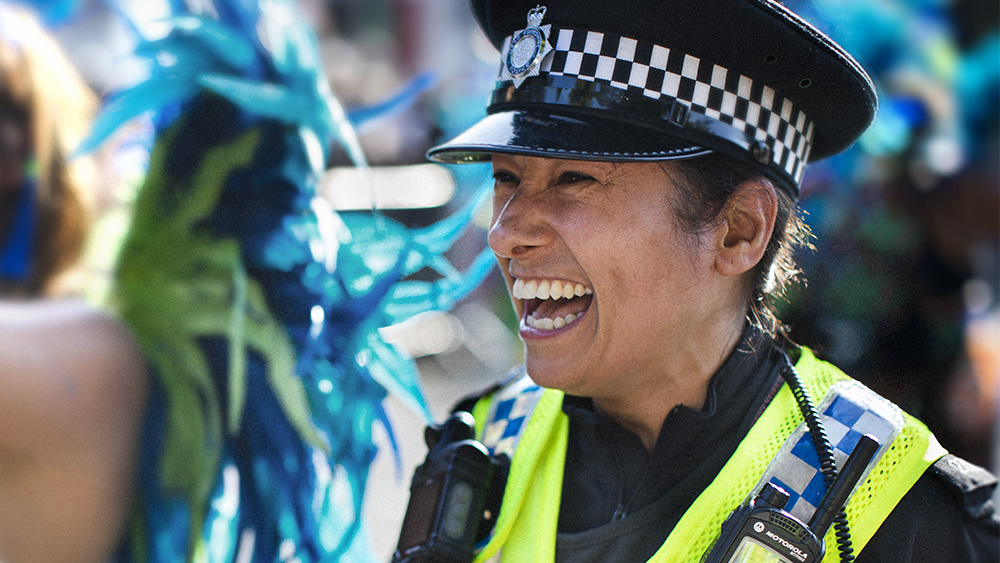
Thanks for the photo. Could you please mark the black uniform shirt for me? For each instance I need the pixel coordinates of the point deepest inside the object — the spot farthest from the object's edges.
(620, 502)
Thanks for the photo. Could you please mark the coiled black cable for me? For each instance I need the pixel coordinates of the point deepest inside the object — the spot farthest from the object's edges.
(824, 450)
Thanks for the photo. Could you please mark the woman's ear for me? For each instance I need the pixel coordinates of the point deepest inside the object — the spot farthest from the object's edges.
(748, 222)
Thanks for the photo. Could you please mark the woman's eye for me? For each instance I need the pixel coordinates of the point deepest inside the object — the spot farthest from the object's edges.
(574, 178)
(503, 177)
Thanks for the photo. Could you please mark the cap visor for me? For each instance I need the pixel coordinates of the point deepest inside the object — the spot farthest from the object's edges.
(559, 136)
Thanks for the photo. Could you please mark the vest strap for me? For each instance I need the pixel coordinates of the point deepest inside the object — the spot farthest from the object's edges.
(534, 486)
(901, 464)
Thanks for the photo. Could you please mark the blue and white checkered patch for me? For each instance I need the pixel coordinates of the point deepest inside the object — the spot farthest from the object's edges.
(508, 416)
(849, 411)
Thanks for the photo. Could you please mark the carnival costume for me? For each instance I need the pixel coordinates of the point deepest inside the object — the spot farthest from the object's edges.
(257, 304)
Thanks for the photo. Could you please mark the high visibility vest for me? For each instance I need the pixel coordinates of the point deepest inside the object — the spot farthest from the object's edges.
(527, 422)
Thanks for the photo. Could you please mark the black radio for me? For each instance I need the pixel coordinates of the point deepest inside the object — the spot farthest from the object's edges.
(761, 531)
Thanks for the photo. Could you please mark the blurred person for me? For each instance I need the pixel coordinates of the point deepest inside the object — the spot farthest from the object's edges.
(257, 305)
(254, 304)
(647, 159)
(72, 380)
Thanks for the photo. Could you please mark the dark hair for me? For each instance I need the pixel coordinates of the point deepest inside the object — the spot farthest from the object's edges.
(39, 84)
(705, 185)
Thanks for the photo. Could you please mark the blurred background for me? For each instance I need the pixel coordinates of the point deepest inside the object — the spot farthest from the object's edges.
(902, 288)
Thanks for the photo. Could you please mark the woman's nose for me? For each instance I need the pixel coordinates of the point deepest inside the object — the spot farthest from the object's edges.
(518, 225)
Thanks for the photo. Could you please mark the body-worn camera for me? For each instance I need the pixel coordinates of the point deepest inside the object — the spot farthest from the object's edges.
(454, 496)
(761, 531)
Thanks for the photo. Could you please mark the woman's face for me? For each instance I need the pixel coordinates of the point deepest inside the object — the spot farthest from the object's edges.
(13, 151)
(13, 147)
(607, 288)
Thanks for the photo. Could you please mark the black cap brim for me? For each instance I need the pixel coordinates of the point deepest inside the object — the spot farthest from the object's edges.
(580, 137)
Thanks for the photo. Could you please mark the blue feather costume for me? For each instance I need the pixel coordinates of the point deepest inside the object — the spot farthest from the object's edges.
(257, 305)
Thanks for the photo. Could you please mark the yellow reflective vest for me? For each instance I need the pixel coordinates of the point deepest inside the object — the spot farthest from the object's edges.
(526, 527)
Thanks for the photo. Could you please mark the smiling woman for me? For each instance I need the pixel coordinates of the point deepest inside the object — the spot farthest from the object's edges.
(599, 225)
(647, 159)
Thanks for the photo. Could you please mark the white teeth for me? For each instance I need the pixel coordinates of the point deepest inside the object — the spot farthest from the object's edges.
(547, 289)
(530, 288)
(543, 289)
(518, 289)
(549, 324)
(556, 289)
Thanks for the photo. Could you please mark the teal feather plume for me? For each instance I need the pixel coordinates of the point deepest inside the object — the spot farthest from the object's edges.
(260, 307)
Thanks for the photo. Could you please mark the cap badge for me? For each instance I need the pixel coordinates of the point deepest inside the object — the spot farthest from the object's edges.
(528, 48)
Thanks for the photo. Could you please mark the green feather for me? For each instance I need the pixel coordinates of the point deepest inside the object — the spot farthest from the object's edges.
(175, 284)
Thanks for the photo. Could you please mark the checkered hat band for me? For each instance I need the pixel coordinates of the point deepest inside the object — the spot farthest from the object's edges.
(595, 70)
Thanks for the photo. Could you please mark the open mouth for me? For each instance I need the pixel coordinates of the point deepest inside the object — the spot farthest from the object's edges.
(551, 304)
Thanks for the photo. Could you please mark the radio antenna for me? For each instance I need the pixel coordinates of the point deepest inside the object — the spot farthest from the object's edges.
(841, 488)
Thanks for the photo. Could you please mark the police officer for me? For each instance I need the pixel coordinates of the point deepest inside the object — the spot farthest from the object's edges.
(647, 159)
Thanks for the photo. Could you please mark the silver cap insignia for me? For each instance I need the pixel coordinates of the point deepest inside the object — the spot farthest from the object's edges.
(528, 48)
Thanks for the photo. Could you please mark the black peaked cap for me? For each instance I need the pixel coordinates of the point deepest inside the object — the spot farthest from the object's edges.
(764, 51)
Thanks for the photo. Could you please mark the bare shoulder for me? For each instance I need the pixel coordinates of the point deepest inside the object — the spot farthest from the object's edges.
(73, 387)
(66, 366)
